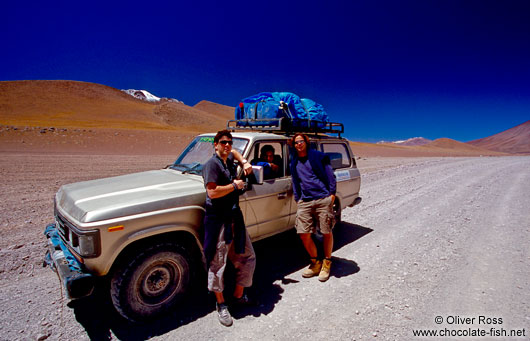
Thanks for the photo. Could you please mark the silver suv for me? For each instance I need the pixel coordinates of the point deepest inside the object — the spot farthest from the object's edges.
(144, 232)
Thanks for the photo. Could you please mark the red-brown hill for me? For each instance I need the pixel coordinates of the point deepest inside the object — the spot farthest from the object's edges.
(223, 111)
(458, 148)
(73, 104)
(439, 147)
(515, 140)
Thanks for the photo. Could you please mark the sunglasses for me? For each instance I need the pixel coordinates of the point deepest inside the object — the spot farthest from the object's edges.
(299, 142)
(226, 142)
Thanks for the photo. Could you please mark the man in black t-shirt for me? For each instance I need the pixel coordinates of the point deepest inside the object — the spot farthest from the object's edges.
(226, 236)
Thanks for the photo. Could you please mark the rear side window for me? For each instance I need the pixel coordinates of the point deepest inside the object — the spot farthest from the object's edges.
(338, 154)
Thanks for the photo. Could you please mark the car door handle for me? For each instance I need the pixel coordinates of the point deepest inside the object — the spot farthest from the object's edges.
(282, 195)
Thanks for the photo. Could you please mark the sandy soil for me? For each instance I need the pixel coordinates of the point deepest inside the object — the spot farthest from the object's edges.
(432, 237)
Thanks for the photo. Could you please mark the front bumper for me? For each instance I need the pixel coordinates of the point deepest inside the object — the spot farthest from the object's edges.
(75, 280)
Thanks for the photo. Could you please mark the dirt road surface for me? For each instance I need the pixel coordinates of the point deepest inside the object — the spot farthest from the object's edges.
(434, 240)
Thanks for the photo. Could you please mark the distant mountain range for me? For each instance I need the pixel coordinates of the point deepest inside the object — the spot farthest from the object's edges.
(74, 104)
(414, 141)
(145, 95)
(69, 104)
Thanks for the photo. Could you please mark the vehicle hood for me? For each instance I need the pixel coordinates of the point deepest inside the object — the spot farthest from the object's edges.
(120, 196)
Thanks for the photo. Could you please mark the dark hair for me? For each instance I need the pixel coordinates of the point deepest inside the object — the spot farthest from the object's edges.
(220, 134)
(304, 136)
(267, 148)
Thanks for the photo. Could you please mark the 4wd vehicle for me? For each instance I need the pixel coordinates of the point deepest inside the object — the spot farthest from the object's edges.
(143, 231)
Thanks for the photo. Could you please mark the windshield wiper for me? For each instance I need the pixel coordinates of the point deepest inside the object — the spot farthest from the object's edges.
(178, 166)
(187, 168)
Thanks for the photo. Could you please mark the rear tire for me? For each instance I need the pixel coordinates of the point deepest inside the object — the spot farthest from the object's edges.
(152, 282)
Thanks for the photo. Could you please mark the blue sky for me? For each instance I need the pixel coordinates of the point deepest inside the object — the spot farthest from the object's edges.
(388, 70)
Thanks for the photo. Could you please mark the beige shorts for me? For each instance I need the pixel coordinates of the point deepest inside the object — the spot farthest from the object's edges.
(309, 212)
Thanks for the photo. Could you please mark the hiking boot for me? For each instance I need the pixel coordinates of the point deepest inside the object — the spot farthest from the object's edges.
(244, 301)
(313, 269)
(224, 315)
(325, 271)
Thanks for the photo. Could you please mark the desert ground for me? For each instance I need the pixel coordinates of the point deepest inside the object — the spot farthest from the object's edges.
(439, 242)
(433, 236)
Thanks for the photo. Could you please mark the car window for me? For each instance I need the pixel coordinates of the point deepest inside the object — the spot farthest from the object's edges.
(270, 155)
(338, 154)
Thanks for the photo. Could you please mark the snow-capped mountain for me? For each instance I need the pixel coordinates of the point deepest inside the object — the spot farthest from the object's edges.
(149, 97)
(415, 141)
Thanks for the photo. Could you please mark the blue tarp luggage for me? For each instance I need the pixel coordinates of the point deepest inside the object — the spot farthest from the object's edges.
(267, 108)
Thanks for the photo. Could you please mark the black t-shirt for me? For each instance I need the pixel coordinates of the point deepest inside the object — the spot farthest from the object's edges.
(215, 170)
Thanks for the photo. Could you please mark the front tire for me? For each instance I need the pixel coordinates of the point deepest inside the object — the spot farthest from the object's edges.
(152, 282)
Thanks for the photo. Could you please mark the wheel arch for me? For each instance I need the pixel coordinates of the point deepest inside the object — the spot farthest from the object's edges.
(186, 237)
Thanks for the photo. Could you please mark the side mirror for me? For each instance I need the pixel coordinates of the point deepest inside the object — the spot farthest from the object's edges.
(256, 177)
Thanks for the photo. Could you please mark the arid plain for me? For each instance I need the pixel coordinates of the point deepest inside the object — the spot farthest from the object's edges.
(441, 231)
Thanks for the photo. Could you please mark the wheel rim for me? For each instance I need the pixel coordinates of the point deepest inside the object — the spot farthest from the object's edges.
(156, 281)
(160, 282)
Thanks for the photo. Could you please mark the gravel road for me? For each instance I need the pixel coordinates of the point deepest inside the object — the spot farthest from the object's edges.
(434, 240)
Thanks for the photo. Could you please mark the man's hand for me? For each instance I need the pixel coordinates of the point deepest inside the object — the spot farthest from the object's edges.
(274, 167)
(240, 184)
(247, 168)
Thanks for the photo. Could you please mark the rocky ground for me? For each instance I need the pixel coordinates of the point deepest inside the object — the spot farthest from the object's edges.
(432, 237)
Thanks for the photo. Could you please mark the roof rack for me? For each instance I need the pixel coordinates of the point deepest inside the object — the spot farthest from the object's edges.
(285, 125)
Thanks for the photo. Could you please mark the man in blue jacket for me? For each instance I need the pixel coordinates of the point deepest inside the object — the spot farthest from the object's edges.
(314, 187)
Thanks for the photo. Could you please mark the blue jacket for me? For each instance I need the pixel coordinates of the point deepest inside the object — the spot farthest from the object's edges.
(318, 161)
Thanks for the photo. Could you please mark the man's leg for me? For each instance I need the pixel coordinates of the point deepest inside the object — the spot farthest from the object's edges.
(309, 244)
(328, 245)
(316, 264)
(245, 264)
(216, 281)
(324, 209)
(304, 228)
(219, 297)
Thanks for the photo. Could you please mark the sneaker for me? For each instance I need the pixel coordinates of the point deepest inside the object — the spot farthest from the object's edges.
(244, 301)
(313, 269)
(325, 271)
(224, 315)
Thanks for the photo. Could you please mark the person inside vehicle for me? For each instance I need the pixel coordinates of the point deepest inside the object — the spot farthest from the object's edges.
(270, 163)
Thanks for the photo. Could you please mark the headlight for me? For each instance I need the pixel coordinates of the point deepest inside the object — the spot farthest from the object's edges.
(88, 245)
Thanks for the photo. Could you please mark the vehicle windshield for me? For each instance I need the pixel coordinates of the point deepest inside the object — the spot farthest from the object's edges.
(199, 151)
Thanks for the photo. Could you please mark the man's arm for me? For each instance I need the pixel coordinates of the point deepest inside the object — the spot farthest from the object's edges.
(332, 181)
(215, 191)
(247, 167)
(296, 183)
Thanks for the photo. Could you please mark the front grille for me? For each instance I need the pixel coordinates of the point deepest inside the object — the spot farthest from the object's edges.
(72, 235)
(65, 230)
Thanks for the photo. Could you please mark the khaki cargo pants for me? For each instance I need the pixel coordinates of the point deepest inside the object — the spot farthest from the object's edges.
(321, 209)
(244, 264)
